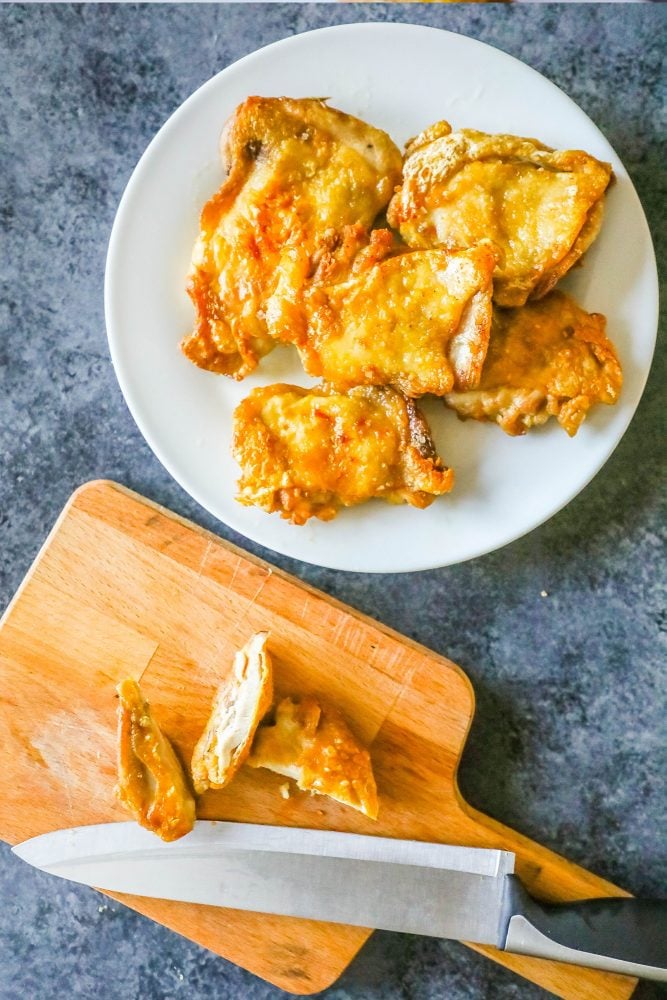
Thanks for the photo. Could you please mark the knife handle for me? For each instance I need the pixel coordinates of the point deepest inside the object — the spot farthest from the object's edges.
(627, 936)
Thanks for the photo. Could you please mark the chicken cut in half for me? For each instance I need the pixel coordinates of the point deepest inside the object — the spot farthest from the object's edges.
(151, 780)
(547, 359)
(304, 185)
(419, 321)
(240, 703)
(307, 453)
(313, 744)
(541, 207)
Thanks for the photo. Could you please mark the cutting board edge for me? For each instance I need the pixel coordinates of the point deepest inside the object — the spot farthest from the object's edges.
(282, 983)
(29, 573)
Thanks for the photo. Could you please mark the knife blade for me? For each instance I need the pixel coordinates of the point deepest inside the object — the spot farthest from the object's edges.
(437, 890)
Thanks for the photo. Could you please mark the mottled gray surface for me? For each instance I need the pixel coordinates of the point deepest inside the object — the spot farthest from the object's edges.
(567, 742)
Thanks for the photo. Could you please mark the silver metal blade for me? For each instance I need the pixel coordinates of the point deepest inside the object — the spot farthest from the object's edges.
(377, 882)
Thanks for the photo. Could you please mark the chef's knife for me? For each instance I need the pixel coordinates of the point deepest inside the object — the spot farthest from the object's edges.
(466, 893)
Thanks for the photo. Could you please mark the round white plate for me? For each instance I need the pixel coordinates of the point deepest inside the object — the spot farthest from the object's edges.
(401, 78)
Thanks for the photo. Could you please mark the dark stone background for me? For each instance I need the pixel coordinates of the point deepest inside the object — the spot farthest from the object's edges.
(568, 741)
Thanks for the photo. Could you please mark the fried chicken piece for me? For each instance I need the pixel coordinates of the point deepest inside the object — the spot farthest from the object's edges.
(240, 703)
(313, 744)
(419, 321)
(549, 358)
(151, 780)
(305, 183)
(541, 207)
(308, 453)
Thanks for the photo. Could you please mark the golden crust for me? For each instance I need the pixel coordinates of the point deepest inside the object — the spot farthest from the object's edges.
(240, 703)
(541, 207)
(587, 235)
(151, 781)
(549, 358)
(419, 321)
(313, 744)
(307, 453)
(303, 179)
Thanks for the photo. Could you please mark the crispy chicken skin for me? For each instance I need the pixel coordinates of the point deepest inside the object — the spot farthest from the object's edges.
(549, 358)
(419, 321)
(240, 703)
(151, 781)
(307, 453)
(304, 185)
(313, 744)
(541, 207)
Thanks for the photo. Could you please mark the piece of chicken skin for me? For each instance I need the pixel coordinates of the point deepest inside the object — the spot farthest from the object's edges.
(308, 452)
(541, 207)
(151, 780)
(312, 743)
(547, 359)
(240, 702)
(419, 321)
(303, 180)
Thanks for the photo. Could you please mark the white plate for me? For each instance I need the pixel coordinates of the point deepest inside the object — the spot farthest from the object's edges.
(401, 78)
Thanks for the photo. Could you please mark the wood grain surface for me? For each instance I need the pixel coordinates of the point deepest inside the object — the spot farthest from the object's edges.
(122, 588)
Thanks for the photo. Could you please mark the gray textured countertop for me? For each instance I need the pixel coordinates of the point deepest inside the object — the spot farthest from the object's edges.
(568, 741)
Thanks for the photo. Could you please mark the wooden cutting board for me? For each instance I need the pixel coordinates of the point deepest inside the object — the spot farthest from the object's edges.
(123, 587)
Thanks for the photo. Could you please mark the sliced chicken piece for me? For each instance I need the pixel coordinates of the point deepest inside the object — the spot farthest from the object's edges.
(151, 780)
(313, 744)
(239, 705)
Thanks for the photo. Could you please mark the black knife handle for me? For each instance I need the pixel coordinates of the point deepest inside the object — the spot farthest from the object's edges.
(627, 936)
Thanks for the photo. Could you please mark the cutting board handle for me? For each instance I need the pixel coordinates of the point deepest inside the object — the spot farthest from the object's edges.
(550, 882)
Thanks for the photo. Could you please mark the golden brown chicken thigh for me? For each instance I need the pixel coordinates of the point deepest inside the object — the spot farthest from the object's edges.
(549, 358)
(541, 207)
(305, 183)
(419, 321)
(307, 453)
